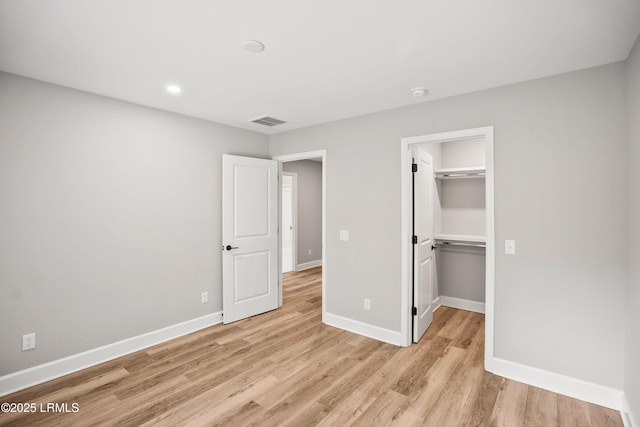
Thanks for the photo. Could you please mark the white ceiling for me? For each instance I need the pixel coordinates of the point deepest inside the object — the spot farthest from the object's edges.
(324, 60)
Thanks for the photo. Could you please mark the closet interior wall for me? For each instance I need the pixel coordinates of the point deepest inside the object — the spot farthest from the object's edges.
(459, 209)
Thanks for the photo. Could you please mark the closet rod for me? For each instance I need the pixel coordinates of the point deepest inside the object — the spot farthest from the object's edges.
(472, 245)
(459, 174)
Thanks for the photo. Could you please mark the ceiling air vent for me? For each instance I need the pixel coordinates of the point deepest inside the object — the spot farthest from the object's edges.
(267, 121)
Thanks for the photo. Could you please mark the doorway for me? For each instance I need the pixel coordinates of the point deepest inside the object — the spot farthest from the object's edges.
(407, 289)
(288, 228)
(302, 263)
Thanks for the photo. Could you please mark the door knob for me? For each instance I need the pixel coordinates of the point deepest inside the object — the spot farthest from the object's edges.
(229, 247)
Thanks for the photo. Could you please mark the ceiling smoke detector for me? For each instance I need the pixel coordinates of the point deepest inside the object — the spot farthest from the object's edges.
(267, 121)
(418, 92)
(253, 46)
(173, 89)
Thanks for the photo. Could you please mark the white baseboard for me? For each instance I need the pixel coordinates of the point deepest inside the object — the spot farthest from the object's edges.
(47, 371)
(627, 415)
(436, 303)
(308, 265)
(557, 383)
(462, 304)
(361, 328)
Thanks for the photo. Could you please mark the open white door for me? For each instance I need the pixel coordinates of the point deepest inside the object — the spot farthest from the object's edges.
(423, 183)
(249, 237)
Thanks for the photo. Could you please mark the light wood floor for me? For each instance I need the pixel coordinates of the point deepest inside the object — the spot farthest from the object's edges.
(286, 368)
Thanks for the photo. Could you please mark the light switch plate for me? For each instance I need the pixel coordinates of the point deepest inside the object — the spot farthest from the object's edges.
(510, 247)
(344, 235)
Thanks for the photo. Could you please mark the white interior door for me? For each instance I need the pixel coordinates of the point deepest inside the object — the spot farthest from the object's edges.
(423, 259)
(287, 223)
(249, 237)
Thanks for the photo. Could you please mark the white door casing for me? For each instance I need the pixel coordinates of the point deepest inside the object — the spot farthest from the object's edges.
(249, 237)
(423, 258)
(406, 146)
(305, 156)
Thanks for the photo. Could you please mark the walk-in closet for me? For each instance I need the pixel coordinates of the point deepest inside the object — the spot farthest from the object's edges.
(457, 207)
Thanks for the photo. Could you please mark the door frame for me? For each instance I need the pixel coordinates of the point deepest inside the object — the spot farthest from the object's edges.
(406, 145)
(294, 217)
(306, 156)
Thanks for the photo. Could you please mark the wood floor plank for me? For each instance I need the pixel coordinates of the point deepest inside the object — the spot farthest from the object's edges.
(572, 412)
(541, 409)
(437, 379)
(605, 417)
(383, 410)
(215, 404)
(414, 377)
(479, 413)
(510, 405)
(287, 368)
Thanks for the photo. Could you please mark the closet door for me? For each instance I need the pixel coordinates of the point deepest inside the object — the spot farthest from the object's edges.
(423, 261)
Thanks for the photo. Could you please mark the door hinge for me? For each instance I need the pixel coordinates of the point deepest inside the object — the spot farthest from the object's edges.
(414, 167)
(414, 311)
(414, 239)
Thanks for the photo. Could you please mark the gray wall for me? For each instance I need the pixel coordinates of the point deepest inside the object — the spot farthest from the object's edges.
(109, 218)
(464, 153)
(632, 353)
(309, 209)
(560, 149)
(461, 273)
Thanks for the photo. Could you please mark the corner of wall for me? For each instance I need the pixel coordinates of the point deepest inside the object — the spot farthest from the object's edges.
(558, 383)
(631, 398)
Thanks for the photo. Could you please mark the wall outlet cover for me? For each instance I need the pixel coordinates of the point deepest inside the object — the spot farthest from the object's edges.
(28, 342)
(510, 247)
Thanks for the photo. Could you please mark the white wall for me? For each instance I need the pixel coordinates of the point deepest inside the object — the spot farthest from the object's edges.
(560, 155)
(110, 220)
(632, 349)
(309, 233)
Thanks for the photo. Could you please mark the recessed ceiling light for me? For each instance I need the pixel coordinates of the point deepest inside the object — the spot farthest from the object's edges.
(418, 92)
(174, 89)
(253, 46)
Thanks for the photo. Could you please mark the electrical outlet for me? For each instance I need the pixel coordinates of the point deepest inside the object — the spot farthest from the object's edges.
(204, 298)
(344, 235)
(367, 304)
(510, 247)
(28, 342)
(309, 252)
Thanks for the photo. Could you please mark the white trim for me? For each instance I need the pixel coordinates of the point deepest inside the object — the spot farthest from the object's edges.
(627, 415)
(47, 371)
(490, 254)
(308, 265)
(405, 250)
(361, 328)
(305, 156)
(436, 304)
(462, 304)
(558, 383)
